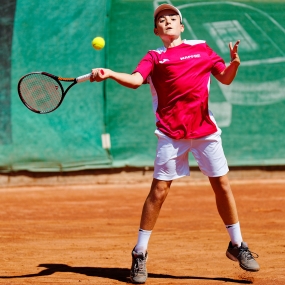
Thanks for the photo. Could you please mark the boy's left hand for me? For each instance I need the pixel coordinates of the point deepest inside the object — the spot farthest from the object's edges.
(234, 52)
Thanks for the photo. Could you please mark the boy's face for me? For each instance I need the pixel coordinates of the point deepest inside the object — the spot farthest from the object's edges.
(168, 24)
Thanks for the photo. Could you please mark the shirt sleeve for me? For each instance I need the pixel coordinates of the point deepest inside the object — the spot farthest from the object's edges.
(145, 66)
(218, 63)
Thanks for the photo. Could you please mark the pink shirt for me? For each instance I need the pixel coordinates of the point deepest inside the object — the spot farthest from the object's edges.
(179, 79)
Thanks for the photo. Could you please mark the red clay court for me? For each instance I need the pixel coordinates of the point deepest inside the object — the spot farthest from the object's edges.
(80, 229)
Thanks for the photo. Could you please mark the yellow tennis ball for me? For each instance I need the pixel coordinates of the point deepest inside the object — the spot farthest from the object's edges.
(98, 43)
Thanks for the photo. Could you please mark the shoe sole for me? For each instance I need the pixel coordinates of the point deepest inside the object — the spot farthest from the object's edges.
(137, 282)
(233, 258)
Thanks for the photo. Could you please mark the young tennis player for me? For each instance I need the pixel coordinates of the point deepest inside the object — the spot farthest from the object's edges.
(179, 77)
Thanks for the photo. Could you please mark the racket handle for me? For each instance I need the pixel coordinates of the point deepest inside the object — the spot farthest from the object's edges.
(83, 78)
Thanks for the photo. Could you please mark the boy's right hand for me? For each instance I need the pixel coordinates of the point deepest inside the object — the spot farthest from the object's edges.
(99, 74)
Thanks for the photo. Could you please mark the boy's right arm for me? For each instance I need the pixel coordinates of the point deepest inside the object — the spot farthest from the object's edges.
(128, 80)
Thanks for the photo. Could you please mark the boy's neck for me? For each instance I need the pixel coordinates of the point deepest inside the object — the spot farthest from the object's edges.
(172, 43)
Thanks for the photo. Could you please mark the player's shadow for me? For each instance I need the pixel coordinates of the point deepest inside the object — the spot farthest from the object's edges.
(119, 274)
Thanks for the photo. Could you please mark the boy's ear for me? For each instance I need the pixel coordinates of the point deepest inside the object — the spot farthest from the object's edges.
(155, 31)
(182, 28)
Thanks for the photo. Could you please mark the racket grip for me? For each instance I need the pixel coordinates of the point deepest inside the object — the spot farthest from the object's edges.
(83, 78)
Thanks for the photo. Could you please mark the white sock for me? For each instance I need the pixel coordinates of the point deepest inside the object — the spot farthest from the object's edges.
(143, 238)
(235, 234)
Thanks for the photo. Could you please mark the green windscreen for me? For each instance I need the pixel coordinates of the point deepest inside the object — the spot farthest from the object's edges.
(45, 36)
(57, 39)
(249, 111)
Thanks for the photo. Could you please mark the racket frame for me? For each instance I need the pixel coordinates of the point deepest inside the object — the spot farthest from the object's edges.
(57, 79)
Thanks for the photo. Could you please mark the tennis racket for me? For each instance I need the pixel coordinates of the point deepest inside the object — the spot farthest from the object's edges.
(42, 92)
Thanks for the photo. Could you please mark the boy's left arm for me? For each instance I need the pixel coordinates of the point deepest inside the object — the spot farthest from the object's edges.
(228, 75)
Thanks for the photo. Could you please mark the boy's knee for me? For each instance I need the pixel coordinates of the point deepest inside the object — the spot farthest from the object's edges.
(160, 191)
(220, 185)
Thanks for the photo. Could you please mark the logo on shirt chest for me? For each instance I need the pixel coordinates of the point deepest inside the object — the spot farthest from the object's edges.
(164, 60)
(198, 55)
(190, 56)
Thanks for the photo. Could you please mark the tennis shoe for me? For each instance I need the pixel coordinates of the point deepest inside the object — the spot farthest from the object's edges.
(138, 271)
(244, 256)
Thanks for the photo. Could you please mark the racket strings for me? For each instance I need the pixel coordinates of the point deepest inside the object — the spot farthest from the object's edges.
(41, 92)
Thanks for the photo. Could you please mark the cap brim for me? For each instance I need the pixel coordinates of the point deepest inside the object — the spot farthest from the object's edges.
(165, 7)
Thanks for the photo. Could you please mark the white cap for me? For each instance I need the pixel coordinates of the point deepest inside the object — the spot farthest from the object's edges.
(164, 7)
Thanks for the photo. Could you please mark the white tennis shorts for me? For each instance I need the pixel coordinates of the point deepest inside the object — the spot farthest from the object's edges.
(172, 160)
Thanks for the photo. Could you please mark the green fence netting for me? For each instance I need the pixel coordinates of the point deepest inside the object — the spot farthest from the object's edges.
(45, 36)
(56, 39)
(249, 112)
